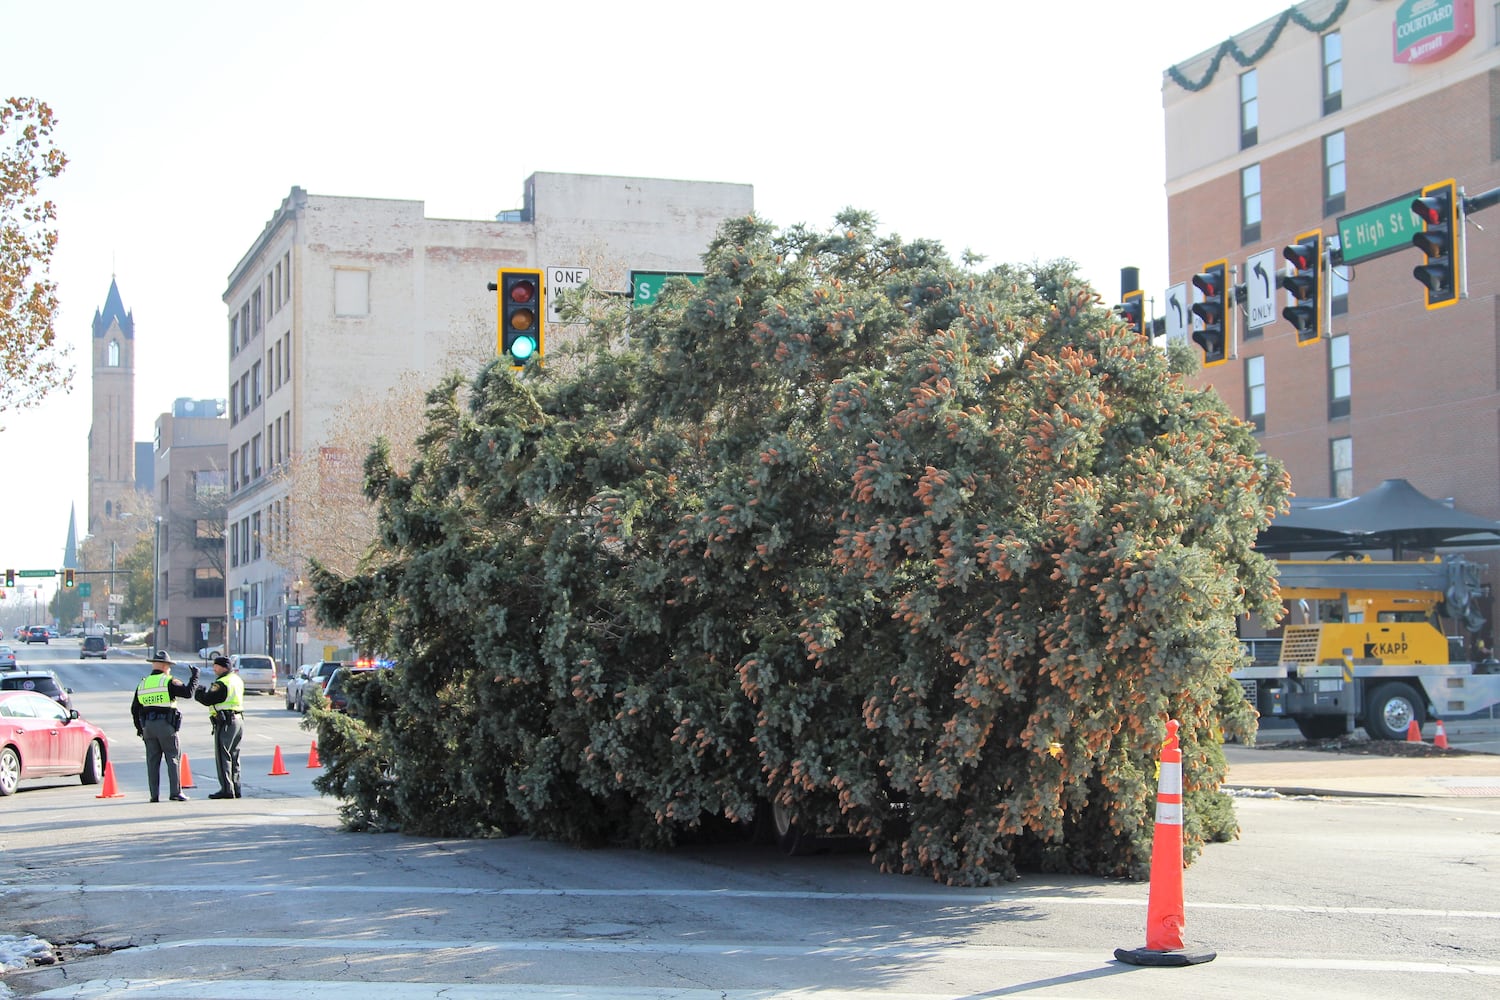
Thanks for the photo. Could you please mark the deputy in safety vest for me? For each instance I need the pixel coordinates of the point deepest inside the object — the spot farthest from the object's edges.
(157, 719)
(225, 698)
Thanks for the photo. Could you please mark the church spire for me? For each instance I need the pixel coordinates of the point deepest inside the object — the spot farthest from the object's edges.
(114, 311)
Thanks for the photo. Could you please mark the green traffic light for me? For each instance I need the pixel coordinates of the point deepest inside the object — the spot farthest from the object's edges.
(522, 348)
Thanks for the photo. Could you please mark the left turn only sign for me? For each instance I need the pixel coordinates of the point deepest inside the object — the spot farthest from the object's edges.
(560, 277)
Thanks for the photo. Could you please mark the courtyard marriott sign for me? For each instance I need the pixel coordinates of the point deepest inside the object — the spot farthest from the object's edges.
(1428, 30)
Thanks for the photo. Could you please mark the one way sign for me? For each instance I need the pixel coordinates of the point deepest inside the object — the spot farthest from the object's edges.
(560, 277)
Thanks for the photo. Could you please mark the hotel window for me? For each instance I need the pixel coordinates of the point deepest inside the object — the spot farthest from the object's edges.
(286, 357)
(1333, 72)
(255, 383)
(234, 544)
(255, 534)
(1333, 173)
(1250, 203)
(234, 335)
(276, 366)
(1338, 376)
(286, 263)
(255, 322)
(1255, 392)
(244, 539)
(255, 455)
(351, 292)
(1249, 109)
(244, 324)
(1341, 461)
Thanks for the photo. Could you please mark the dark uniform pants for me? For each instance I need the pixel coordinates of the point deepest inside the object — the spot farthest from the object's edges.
(228, 732)
(161, 745)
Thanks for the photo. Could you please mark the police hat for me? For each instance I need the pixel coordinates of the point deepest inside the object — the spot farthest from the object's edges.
(160, 656)
(221, 661)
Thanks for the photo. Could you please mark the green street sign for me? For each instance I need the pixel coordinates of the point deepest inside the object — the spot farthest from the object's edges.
(1378, 230)
(37, 572)
(646, 286)
(85, 589)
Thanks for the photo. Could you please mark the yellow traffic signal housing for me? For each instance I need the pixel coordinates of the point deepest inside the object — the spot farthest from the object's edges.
(1133, 311)
(67, 578)
(1212, 282)
(521, 315)
(1306, 286)
(1438, 209)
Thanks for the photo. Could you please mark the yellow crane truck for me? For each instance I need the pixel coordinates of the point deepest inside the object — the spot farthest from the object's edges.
(1373, 651)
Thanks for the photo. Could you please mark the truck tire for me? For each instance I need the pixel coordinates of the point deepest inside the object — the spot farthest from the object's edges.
(1322, 727)
(1390, 709)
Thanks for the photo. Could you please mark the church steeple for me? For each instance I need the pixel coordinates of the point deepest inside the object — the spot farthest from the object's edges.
(113, 311)
(70, 548)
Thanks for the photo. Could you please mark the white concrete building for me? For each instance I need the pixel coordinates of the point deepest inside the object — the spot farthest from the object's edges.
(340, 297)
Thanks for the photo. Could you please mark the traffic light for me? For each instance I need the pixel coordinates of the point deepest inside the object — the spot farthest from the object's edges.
(1306, 287)
(10, 578)
(1213, 282)
(1438, 240)
(521, 315)
(1132, 311)
(68, 578)
(161, 623)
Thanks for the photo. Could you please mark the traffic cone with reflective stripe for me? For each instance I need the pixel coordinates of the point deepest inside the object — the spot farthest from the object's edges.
(1413, 732)
(1164, 911)
(312, 756)
(277, 767)
(109, 791)
(186, 773)
(1441, 739)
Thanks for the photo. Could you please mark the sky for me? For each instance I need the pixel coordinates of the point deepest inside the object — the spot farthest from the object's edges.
(187, 123)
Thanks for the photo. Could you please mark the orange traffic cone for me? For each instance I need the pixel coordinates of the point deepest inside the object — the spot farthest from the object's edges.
(1164, 910)
(277, 767)
(1441, 739)
(109, 791)
(312, 756)
(1414, 732)
(186, 773)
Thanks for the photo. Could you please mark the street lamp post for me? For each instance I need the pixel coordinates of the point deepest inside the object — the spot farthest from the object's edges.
(159, 641)
(244, 611)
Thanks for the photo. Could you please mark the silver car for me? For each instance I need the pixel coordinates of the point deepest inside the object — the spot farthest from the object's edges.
(257, 670)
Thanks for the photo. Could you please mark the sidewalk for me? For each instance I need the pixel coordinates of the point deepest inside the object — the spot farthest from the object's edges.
(1475, 774)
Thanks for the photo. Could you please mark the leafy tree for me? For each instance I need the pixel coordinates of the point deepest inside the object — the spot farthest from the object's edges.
(29, 366)
(905, 548)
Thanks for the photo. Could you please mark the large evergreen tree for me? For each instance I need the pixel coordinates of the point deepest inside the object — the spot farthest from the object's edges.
(901, 547)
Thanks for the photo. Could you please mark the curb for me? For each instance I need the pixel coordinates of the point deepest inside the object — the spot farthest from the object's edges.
(1319, 792)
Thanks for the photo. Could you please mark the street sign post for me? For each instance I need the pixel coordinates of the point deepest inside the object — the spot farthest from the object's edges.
(1378, 230)
(1260, 286)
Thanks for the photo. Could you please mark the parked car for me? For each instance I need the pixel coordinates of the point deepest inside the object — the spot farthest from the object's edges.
(41, 739)
(256, 670)
(41, 681)
(94, 646)
(7, 658)
(37, 633)
(76, 632)
(52, 632)
(308, 676)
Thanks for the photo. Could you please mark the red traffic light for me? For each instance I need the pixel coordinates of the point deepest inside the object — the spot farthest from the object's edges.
(1303, 256)
(1208, 282)
(1429, 210)
(523, 291)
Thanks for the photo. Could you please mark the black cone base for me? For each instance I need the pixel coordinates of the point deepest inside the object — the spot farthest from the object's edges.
(1145, 956)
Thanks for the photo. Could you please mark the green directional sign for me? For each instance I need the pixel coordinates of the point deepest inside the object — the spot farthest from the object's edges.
(85, 589)
(1378, 230)
(37, 572)
(646, 286)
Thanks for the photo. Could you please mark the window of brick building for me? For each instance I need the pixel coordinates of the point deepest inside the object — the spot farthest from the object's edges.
(1341, 462)
(1255, 392)
(1339, 380)
(1333, 173)
(1333, 72)
(1249, 109)
(1250, 203)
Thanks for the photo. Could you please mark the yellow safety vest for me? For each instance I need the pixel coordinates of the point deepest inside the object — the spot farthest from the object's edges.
(152, 691)
(236, 700)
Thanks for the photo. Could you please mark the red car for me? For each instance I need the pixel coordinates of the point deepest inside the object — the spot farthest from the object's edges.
(41, 739)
